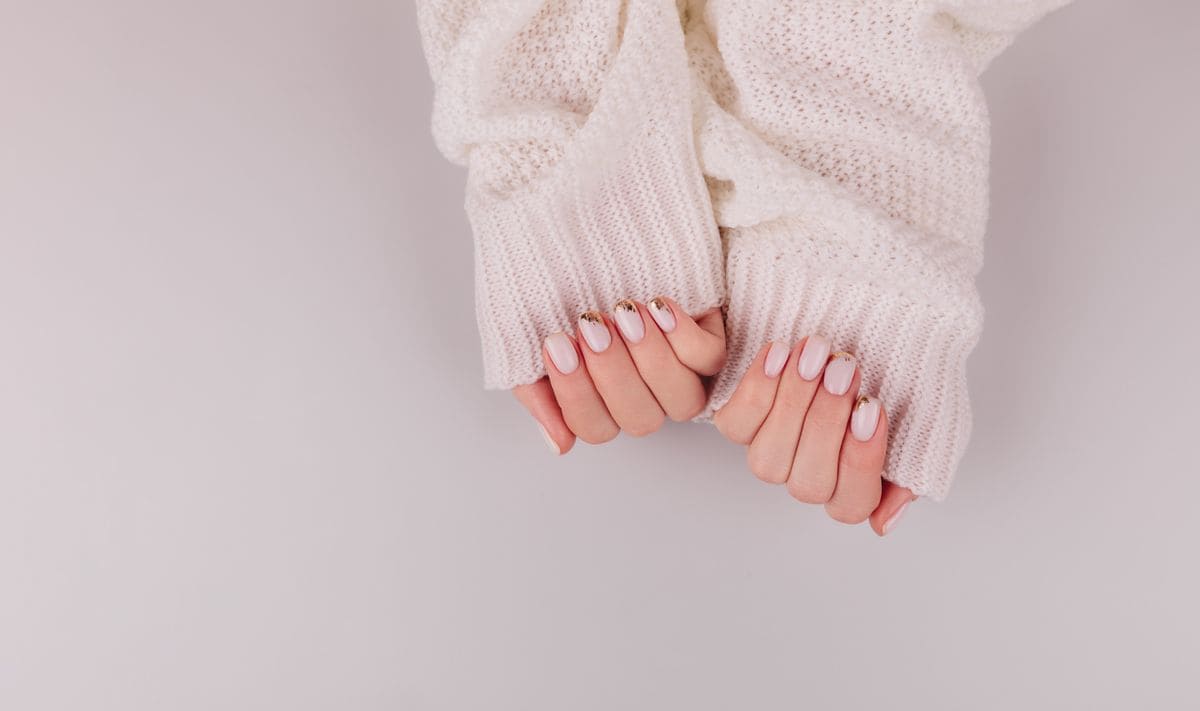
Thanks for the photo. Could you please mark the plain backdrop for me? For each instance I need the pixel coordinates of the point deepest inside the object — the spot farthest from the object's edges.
(246, 461)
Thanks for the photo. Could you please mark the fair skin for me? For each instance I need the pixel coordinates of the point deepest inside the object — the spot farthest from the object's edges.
(797, 410)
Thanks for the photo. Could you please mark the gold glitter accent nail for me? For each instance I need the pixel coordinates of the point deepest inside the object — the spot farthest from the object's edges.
(625, 305)
(591, 317)
(658, 304)
(862, 400)
(841, 354)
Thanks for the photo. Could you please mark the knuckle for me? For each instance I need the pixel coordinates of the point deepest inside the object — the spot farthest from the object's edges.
(736, 434)
(765, 467)
(849, 515)
(598, 435)
(862, 464)
(687, 410)
(827, 419)
(651, 361)
(762, 399)
(732, 427)
(644, 427)
(809, 489)
(789, 400)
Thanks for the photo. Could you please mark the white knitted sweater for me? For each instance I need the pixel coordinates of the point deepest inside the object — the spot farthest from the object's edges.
(815, 166)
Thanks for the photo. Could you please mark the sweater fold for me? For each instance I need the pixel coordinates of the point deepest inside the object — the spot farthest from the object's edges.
(575, 122)
(816, 166)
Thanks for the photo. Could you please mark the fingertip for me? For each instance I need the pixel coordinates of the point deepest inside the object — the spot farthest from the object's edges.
(561, 354)
(558, 444)
(538, 399)
(892, 505)
(846, 516)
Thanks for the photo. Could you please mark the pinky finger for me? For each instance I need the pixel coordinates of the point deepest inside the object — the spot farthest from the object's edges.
(860, 465)
(751, 402)
(892, 504)
(538, 399)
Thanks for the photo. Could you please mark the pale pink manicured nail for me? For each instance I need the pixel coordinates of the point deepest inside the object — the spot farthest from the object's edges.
(662, 314)
(813, 357)
(839, 374)
(549, 440)
(776, 359)
(562, 352)
(865, 418)
(629, 320)
(595, 331)
(895, 519)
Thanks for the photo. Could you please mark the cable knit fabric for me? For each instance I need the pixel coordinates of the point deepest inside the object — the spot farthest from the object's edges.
(844, 148)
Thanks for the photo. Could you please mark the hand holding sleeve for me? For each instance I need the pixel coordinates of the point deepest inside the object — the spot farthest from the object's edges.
(575, 121)
(846, 145)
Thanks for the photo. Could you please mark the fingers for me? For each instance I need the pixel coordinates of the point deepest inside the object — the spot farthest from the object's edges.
(583, 410)
(773, 449)
(746, 410)
(538, 398)
(629, 378)
(798, 410)
(698, 343)
(616, 378)
(814, 471)
(678, 390)
(892, 505)
(861, 465)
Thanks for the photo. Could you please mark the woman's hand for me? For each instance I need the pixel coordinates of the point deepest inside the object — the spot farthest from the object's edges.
(797, 410)
(628, 371)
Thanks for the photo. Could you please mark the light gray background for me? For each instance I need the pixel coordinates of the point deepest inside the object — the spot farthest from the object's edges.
(245, 461)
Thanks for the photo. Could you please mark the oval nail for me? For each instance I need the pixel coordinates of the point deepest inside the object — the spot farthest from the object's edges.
(776, 359)
(813, 357)
(839, 373)
(865, 419)
(661, 312)
(595, 331)
(562, 353)
(629, 320)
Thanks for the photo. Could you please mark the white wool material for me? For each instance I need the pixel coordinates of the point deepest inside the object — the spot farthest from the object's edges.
(814, 166)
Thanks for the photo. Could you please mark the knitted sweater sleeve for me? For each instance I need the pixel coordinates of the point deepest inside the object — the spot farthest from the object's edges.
(574, 119)
(846, 145)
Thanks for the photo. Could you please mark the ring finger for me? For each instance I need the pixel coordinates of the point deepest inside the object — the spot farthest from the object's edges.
(815, 469)
(774, 447)
(626, 396)
(677, 388)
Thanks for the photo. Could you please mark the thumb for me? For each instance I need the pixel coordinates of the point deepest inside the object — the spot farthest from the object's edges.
(699, 343)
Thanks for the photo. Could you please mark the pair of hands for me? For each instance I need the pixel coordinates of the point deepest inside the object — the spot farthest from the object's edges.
(796, 409)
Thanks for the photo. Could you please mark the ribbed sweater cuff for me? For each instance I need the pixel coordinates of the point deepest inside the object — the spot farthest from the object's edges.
(912, 333)
(631, 226)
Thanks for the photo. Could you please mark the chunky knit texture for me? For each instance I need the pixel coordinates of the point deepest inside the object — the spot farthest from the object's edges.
(575, 121)
(843, 144)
